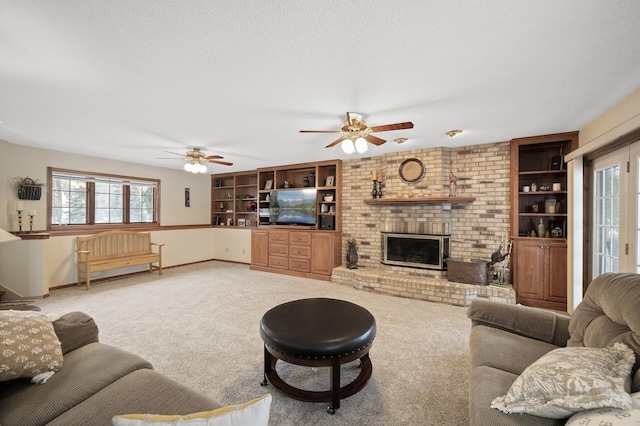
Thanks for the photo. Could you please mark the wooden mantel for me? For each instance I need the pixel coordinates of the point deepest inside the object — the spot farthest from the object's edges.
(421, 200)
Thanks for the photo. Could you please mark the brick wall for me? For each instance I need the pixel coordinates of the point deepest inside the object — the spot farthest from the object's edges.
(476, 228)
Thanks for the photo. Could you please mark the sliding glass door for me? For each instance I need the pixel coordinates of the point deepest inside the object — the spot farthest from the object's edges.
(615, 231)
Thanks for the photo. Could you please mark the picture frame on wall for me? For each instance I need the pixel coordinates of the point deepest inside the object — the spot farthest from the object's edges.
(330, 181)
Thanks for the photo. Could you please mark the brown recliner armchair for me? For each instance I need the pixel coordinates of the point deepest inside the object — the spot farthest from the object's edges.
(505, 339)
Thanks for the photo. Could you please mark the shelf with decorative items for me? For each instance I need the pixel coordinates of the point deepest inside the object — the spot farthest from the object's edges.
(323, 178)
(539, 199)
(421, 200)
(234, 199)
(541, 193)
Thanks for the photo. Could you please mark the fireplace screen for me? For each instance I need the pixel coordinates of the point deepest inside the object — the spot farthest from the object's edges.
(416, 250)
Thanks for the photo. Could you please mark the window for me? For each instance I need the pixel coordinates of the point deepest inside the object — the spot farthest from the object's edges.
(80, 198)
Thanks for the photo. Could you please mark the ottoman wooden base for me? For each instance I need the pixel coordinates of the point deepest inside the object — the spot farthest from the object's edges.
(335, 393)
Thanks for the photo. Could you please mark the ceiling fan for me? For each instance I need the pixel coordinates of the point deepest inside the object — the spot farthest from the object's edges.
(196, 160)
(355, 133)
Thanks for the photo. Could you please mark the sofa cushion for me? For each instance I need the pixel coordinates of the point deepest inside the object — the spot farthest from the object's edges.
(539, 324)
(506, 351)
(251, 413)
(75, 330)
(29, 346)
(608, 314)
(86, 371)
(488, 383)
(142, 391)
(568, 380)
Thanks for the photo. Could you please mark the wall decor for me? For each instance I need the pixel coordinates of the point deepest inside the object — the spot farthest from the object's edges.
(411, 170)
(27, 188)
(187, 197)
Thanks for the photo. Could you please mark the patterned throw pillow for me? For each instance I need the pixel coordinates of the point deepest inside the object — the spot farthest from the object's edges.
(609, 416)
(29, 346)
(568, 380)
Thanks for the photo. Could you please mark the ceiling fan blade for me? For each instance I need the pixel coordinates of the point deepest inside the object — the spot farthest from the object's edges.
(213, 157)
(175, 153)
(318, 131)
(224, 163)
(374, 140)
(396, 126)
(334, 143)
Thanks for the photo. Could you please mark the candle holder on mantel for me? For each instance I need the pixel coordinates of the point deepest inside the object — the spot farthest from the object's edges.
(374, 191)
(19, 220)
(31, 216)
(380, 189)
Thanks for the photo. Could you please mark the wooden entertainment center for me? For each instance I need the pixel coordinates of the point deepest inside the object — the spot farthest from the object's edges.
(312, 250)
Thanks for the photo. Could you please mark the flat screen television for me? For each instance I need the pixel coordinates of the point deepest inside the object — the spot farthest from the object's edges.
(293, 207)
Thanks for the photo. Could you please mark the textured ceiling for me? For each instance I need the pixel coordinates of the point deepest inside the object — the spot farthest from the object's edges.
(129, 80)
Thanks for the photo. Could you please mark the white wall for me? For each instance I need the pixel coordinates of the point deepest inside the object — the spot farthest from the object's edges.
(31, 267)
(613, 123)
(617, 121)
(17, 160)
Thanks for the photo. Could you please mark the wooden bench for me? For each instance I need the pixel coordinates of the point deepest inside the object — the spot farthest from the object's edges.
(116, 249)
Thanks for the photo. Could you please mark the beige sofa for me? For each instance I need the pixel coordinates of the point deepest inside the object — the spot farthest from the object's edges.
(95, 383)
(505, 339)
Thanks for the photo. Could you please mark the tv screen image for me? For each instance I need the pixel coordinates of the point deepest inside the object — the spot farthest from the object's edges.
(293, 207)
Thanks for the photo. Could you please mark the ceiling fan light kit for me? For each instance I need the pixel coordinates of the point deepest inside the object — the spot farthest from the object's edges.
(361, 145)
(196, 160)
(195, 166)
(355, 133)
(348, 146)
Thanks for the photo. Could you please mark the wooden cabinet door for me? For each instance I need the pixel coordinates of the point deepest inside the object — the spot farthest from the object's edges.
(321, 253)
(260, 248)
(529, 280)
(556, 289)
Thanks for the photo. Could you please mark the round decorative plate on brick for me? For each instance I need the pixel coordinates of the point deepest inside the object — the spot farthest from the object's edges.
(411, 170)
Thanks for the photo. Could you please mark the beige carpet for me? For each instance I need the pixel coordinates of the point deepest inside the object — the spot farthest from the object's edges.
(199, 325)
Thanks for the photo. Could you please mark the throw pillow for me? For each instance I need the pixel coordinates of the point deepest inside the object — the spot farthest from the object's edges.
(29, 346)
(252, 413)
(609, 416)
(568, 380)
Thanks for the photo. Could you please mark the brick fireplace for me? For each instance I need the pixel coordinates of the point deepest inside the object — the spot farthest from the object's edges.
(475, 229)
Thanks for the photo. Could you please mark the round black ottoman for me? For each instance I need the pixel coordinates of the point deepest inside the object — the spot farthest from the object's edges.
(318, 332)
